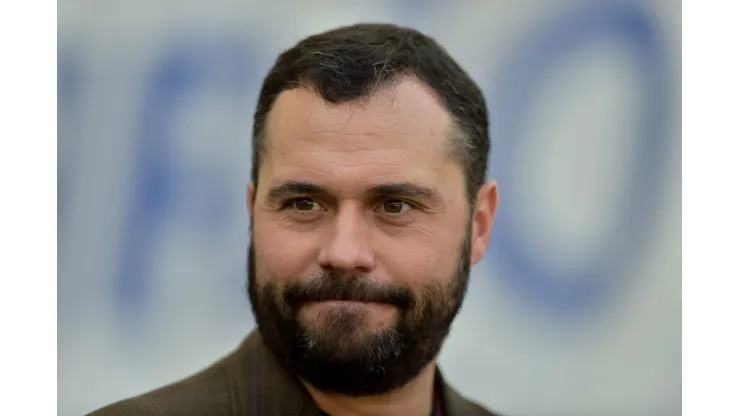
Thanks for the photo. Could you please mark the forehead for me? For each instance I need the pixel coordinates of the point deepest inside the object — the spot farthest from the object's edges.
(400, 133)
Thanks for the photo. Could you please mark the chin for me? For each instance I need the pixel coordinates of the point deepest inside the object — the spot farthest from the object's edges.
(353, 332)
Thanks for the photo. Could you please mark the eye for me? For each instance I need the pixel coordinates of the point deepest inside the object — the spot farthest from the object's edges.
(303, 204)
(395, 207)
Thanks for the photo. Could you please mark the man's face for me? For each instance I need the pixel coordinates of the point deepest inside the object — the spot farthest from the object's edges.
(361, 237)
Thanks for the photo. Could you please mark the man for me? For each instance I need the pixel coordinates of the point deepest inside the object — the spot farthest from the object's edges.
(369, 205)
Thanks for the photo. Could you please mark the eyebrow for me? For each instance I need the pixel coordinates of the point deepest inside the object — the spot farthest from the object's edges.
(290, 189)
(405, 190)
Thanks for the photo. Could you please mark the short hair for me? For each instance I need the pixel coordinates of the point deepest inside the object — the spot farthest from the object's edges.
(352, 62)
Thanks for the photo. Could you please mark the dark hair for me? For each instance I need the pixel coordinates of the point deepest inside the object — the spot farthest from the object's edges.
(353, 62)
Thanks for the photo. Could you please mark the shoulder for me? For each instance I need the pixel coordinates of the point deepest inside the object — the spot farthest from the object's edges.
(205, 393)
(458, 405)
(478, 410)
(470, 408)
(249, 379)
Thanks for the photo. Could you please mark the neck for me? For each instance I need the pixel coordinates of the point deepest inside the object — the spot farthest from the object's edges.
(414, 399)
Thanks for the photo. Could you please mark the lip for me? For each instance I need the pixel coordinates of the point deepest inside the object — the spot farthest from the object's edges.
(337, 302)
(346, 301)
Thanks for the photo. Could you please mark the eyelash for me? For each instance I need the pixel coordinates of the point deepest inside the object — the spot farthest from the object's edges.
(288, 204)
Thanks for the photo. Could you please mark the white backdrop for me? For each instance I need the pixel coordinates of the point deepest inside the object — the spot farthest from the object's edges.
(576, 309)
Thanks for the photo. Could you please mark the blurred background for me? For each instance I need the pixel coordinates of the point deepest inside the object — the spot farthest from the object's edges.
(575, 309)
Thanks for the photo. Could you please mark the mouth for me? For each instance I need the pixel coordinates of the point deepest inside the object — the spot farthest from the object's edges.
(352, 304)
(379, 314)
(340, 302)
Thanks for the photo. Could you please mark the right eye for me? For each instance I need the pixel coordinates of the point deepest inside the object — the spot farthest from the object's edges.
(303, 204)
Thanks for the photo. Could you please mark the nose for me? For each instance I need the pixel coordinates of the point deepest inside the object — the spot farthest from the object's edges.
(346, 247)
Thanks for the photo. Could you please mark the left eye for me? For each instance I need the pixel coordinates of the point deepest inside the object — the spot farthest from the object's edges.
(395, 207)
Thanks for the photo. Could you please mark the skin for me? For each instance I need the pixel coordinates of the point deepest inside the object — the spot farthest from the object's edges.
(356, 222)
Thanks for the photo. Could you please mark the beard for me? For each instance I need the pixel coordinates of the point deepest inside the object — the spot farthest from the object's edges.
(339, 354)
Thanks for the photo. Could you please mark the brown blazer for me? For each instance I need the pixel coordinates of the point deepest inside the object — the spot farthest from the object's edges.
(248, 382)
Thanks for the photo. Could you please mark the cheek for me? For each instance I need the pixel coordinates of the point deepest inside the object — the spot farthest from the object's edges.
(281, 255)
(423, 262)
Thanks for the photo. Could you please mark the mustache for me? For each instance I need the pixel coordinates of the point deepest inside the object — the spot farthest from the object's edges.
(348, 287)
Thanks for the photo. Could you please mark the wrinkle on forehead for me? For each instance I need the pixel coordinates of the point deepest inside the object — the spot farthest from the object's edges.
(407, 116)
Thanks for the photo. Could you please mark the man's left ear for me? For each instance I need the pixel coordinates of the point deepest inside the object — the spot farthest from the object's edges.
(484, 213)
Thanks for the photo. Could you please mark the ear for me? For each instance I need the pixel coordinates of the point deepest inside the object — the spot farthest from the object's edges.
(484, 213)
(250, 198)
